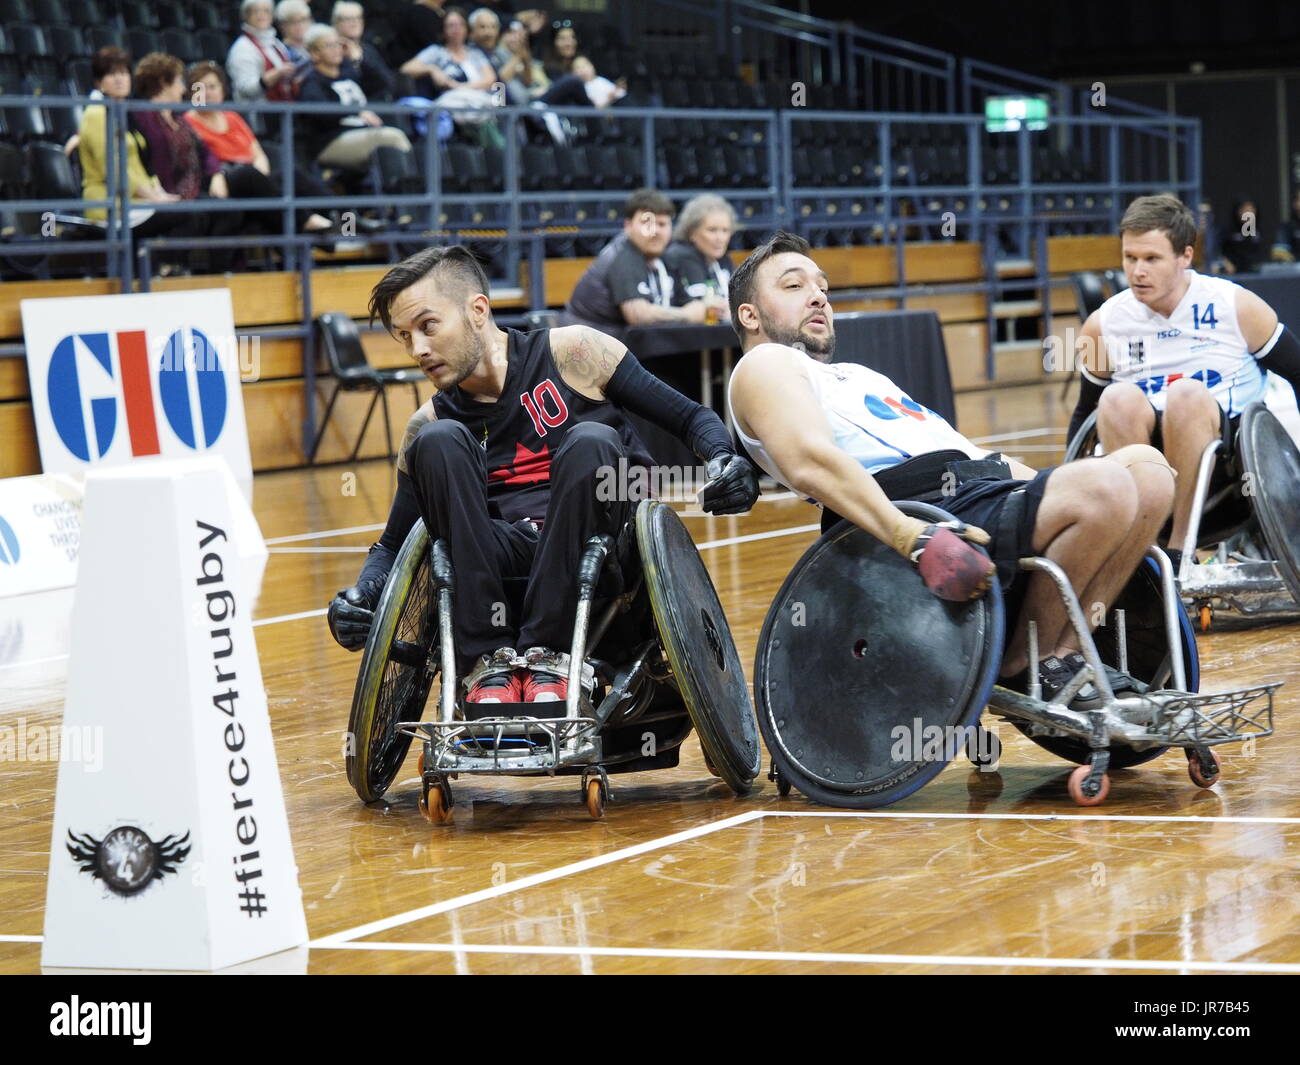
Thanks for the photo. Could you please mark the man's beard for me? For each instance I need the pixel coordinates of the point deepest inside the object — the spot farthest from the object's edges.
(821, 347)
(471, 353)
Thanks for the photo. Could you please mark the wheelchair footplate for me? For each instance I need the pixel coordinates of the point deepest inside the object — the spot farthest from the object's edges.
(1126, 730)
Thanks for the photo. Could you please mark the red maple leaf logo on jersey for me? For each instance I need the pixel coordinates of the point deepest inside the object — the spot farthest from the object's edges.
(530, 467)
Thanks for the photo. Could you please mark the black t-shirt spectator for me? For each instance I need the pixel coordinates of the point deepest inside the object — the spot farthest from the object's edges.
(621, 273)
(377, 80)
(314, 132)
(413, 27)
(695, 273)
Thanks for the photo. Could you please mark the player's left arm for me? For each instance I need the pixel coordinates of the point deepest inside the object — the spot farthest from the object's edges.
(1274, 346)
(601, 368)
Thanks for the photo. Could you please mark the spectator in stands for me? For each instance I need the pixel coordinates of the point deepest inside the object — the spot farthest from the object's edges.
(294, 19)
(563, 50)
(524, 77)
(175, 154)
(111, 69)
(114, 65)
(259, 65)
(698, 256)
(376, 79)
(246, 166)
(1240, 249)
(1286, 246)
(629, 284)
(455, 66)
(485, 34)
(344, 141)
(414, 26)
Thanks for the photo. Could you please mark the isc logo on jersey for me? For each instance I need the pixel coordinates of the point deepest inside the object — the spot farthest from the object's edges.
(95, 376)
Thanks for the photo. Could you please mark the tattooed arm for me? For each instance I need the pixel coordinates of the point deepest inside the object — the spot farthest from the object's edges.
(586, 358)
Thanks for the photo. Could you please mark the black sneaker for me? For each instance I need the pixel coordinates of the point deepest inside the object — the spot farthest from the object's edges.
(1055, 674)
(1119, 682)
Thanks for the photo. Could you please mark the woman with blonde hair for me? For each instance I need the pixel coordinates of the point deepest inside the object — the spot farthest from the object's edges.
(698, 254)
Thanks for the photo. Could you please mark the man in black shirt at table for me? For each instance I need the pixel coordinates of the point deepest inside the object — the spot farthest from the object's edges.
(629, 284)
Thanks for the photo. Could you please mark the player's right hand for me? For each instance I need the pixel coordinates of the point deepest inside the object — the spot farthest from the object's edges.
(352, 612)
(947, 556)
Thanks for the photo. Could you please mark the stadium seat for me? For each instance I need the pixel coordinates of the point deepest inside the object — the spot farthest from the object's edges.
(538, 170)
(85, 13)
(173, 15)
(138, 14)
(140, 41)
(212, 43)
(183, 44)
(15, 11)
(25, 123)
(206, 16)
(101, 36)
(27, 39)
(80, 77)
(66, 42)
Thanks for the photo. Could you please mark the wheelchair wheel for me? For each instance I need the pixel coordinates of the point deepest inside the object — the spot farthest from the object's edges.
(397, 670)
(859, 667)
(1271, 463)
(1149, 661)
(694, 633)
(1085, 442)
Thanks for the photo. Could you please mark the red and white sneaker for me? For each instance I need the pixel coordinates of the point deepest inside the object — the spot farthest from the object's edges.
(496, 679)
(546, 679)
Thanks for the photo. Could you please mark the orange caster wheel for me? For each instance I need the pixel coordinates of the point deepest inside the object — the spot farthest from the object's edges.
(1076, 789)
(595, 798)
(1207, 618)
(1203, 767)
(433, 804)
(420, 763)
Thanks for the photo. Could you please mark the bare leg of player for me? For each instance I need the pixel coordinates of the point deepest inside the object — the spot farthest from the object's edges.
(1124, 416)
(1084, 521)
(1191, 421)
(1153, 481)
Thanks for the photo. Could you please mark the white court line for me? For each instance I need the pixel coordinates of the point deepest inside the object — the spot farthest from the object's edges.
(1046, 430)
(317, 550)
(975, 961)
(1036, 817)
(34, 662)
(751, 537)
(323, 534)
(292, 617)
(21, 939)
(457, 902)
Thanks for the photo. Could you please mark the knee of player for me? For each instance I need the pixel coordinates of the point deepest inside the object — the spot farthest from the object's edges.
(593, 440)
(1123, 399)
(1105, 495)
(1186, 396)
(436, 438)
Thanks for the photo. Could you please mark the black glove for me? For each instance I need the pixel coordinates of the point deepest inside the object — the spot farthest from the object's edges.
(352, 612)
(732, 487)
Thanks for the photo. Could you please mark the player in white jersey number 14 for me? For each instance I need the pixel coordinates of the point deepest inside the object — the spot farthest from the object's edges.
(1175, 358)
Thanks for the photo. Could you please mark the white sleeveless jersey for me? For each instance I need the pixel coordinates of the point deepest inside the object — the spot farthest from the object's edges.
(871, 419)
(1201, 339)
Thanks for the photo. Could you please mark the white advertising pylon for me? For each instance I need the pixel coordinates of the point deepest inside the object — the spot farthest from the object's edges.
(171, 850)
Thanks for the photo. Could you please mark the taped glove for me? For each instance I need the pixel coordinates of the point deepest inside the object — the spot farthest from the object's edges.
(732, 487)
(352, 612)
(946, 555)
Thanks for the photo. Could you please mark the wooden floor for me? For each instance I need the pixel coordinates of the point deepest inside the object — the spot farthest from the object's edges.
(977, 872)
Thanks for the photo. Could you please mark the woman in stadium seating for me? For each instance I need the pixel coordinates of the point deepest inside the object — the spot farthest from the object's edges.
(456, 74)
(259, 65)
(344, 141)
(111, 70)
(563, 50)
(246, 166)
(697, 257)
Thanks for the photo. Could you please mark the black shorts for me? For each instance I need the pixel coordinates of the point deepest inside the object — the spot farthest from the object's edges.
(1227, 428)
(1005, 509)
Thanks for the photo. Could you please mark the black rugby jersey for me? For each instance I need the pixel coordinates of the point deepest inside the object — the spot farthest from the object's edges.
(522, 430)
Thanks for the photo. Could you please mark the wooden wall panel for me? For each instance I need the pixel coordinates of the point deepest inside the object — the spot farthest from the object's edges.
(960, 261)
(19, 456)
(13, 379)
(1066, 255)
(270, 298)
(11, 322)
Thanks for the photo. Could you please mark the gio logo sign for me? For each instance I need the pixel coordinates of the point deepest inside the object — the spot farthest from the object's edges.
(85, 398)
(9, 551)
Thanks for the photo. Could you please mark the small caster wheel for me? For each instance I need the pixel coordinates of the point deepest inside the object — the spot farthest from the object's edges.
(1207, 617)
(433, 804)
(420, 763)
(782, 784)
(1203, 767)
(1076, 787)
(595, 798)
(983, 749)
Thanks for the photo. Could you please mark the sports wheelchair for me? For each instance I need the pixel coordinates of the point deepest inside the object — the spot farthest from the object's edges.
(656, 661)
(1249, 519)
(867, 685)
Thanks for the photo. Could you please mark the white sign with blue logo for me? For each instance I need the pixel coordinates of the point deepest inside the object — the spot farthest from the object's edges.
(123, 379)
(40, 532)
